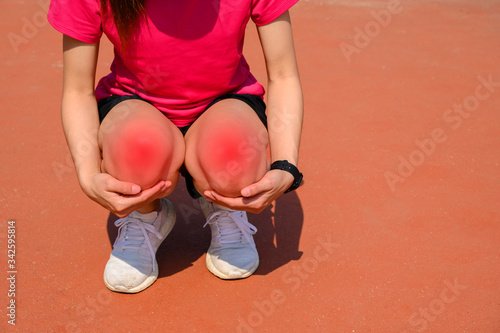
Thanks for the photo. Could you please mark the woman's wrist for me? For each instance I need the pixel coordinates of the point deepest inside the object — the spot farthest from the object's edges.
(85, 180)
(295, 176)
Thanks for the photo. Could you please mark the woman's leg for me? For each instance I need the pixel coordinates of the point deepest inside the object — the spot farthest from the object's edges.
(225, 152)
(140, 145)
(226, 148)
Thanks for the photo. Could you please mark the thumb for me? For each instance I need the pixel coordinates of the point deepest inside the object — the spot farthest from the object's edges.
(114, 185)
(255, 188)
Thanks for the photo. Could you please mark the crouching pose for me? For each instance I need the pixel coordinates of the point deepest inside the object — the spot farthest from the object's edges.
(180, 100)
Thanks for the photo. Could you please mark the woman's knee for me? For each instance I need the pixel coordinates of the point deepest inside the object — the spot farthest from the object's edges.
(231, 155)
(142, 149)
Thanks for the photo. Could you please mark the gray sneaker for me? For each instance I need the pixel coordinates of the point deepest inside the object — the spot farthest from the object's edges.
(232, 253)
(132, 266)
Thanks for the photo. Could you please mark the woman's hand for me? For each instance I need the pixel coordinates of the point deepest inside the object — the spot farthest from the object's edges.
(122, 198)
(256, 197)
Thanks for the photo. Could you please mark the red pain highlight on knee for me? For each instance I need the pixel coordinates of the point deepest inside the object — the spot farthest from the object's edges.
(224, 153)
(140, 155)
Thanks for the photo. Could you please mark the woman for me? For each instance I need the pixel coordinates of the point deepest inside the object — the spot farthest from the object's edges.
(179, 99)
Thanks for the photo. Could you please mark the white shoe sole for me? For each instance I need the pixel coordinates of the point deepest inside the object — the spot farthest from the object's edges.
(223, 276)
(147, 283)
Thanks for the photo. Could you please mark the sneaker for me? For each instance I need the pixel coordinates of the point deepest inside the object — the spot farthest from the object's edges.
(132, 266)
(232, 253)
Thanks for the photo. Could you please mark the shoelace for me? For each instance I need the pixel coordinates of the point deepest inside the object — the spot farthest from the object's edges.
(228, 233)
(136, 231)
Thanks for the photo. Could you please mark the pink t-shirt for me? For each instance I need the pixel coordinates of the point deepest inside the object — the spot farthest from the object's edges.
(186, 54)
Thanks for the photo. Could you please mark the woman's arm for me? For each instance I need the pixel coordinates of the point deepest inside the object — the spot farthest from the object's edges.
(284, 102)
(81, 127)
(285, 113)
(79, 108)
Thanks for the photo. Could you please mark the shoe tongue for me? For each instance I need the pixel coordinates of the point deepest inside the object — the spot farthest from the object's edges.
(148, 218)
(229, 229)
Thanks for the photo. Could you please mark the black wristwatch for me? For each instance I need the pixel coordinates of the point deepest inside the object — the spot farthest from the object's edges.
(284, 165)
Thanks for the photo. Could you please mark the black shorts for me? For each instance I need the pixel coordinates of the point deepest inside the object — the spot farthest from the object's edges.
(105, 105)
(255, 102)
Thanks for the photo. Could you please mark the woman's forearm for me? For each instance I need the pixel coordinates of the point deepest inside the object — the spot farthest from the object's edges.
(285, 114)
(81, 123)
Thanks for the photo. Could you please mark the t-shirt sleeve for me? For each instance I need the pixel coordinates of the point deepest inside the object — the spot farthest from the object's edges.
(79, 19)
(266, 11)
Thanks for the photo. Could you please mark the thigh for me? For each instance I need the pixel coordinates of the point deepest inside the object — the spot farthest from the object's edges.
(228, 140)
(136, 134)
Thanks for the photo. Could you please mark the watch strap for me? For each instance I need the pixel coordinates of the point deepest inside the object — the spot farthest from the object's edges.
(289, 167)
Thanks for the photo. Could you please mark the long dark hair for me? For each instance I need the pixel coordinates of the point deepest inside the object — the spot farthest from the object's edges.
(126, 14)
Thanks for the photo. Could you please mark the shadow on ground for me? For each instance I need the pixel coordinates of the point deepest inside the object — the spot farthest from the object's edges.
(277, 238)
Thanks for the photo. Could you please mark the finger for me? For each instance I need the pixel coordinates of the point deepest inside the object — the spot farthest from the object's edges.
(233, 203)
(158, 187)
(128, 204)
(256, 188)
(151, 192)
(165, 190)
(266, 183)
(114, 185)
(209, 195)
(158, 192)
(253, 204)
